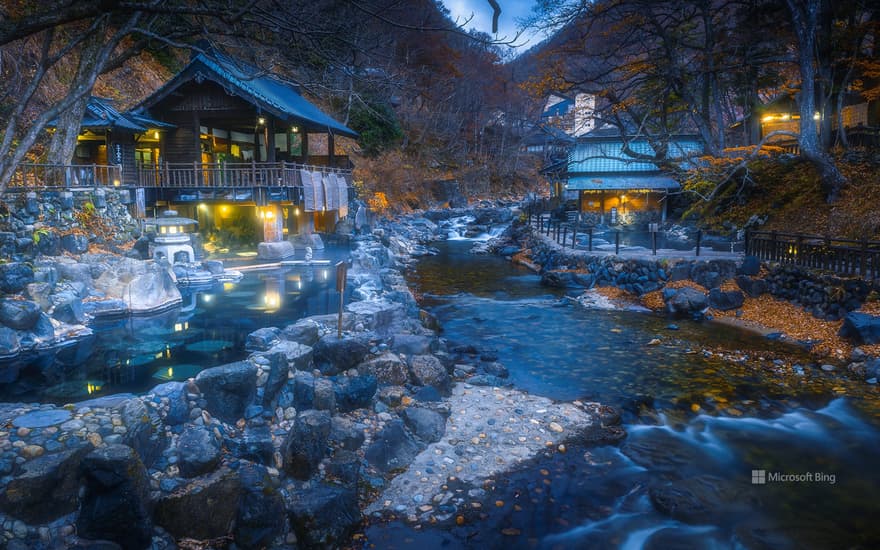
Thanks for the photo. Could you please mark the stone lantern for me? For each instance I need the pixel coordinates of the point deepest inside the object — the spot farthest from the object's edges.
(170, 236)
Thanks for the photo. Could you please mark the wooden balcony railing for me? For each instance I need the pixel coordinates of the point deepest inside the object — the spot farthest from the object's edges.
(224, 174)
(64, 176)
(841, 256)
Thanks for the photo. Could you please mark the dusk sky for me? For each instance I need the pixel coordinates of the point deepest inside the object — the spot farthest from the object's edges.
(511, 10)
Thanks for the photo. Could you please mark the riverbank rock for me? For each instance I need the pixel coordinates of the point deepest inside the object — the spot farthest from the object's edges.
(228, 389)
(427, 370)
(861, 327)
(203, 509)
(392, 449)
(323, 516)
(355, 392)
(388, 368)
(115, 503)
(427, 425)
(144, 286)
(725, 299)
(306, 443)
(198, 451)
(15, 276)
(46, 488)
(260, 515)
(333, 355)
(19, 314)
(685, 301)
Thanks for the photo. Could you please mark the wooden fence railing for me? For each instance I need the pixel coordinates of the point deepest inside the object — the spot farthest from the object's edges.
(842, 256)
(64, 176)
(222, 174)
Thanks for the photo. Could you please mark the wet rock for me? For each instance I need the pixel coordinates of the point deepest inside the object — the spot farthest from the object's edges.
(46, 488)
(75, 243)
(255, 444)
(115, 504)
(428, 394)
(427, 425)
(324, 516)
(355, 392)
(303, 390)
(427, 370)
(325, 395)
(228, 389)
(141, 433)
(303, 332)
(198, 451)
(143, 286)
(345, 465)
(15, 276)
(275, 251)
(42, 419)
(277, 378)
(70, 312)
(19, 314)
(752, 287)
(388, 368)
(346, 433)
(262, 339)
(393, 448)
(260, 516)
(297, 355)
(700, 499)
(206, 508)
(377, 315)
(9, 344)
(412, 344)
(49, 243)
(685, 301)
(495, 368)
(178, 407)
(333, 355)
(861, 328)
(486, 380)
(751, 265)
(306, 444)
(725, 299)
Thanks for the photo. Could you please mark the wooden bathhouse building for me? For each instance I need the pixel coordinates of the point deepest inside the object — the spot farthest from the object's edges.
(220, 141)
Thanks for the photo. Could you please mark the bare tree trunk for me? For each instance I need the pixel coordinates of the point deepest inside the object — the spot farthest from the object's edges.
(805, 15)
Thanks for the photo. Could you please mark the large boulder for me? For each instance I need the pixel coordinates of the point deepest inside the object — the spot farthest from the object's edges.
(9, 342)
(750, 266)
(206, 508)
(19, 314)
(275, 251)
(142, 433)
(685, 301)
(71, 270)
(262, 339)
(46, 488)
(346, 434)
(862, 328)
(228, 389)
(413, 344)
(725, 300)
(333, 355)
(306, 443)
(392, 449)
(15, 276)
(198, 451)
(303, 390)
(115, 503)
(304, 331)
(75, 243)
(260, 516)
(355, 392)
(298, 355)
(377, 315)
(173, 396)
(255, 444)
(70, 312)
(144, 286)
(427, 425)
(427, 370)
(323, 516)
(388, 368)
(752, 287)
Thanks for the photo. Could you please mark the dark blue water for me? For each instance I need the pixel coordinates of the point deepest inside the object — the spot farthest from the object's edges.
(703, 410)
(209, 329)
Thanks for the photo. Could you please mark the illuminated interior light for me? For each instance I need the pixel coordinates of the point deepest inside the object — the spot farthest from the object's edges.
(156, 134)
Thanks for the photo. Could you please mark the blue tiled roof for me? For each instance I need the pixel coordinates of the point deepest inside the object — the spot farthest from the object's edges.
(606, 156)
(263, 91)
(622, 182)
(101, 115)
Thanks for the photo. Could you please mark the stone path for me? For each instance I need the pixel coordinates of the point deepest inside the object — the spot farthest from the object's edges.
(490, 430)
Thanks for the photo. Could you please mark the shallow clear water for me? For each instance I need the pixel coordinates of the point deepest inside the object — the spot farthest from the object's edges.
(698, 426)
(209, 329)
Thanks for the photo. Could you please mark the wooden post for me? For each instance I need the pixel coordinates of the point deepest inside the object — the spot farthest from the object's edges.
(574, 232)
(617, 243)
(798, 256)
(564, 235)
(341, 269)
(699, 240)
(863, 261)
(774, 247)
(590, 233)
(654, 242)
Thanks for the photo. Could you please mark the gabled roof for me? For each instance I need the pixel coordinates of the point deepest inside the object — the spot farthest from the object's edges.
(602, 153)
(622, 182)
(265, 92)
(101, 115)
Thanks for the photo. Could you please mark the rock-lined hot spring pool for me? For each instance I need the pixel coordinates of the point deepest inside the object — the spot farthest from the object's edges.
(755, 447)
(210, 327)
